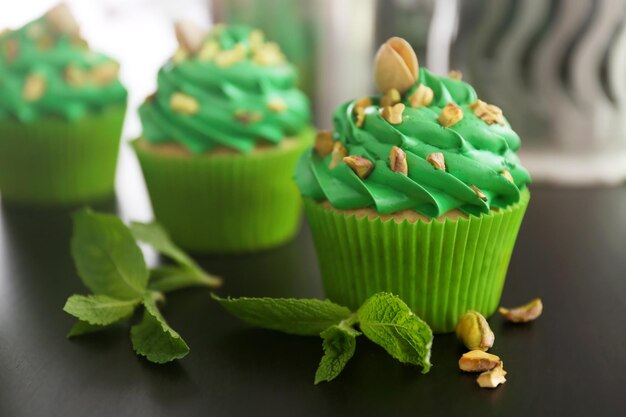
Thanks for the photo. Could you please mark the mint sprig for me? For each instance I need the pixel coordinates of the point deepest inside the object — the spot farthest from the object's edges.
(111, 264)
(383, 318)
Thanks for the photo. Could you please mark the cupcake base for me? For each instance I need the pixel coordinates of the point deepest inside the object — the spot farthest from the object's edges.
(57, 162)
(226, 202)
(441, 269)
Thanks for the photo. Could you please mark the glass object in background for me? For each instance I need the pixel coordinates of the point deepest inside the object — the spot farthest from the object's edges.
(557, 70)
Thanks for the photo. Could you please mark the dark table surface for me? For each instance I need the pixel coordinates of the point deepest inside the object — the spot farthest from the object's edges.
(571, 362)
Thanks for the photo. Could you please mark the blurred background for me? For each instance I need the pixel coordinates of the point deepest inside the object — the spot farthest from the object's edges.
(556, 67)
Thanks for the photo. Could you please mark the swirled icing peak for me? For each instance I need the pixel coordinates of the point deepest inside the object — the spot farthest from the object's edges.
(46, 68)
(431, 147)
(228, 88)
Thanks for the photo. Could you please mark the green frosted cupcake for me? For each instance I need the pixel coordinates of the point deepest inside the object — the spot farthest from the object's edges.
(61, 113)
(221, 138)
(417, 192)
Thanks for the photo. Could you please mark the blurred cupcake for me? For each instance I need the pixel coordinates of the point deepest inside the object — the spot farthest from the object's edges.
(221, 138)
(61, 113)
(417, 192)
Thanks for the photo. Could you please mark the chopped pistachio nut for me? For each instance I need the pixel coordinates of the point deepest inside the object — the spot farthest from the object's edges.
(437, 160)
(179, 56)
(247, 117)
(105, 73)
(479, 193)
(268, 55)
(393, 114)
(61, 19)
(488, 113)
(209, 51)
(422, 96)
(232, 56)
(34, 87)
(338, 153)
(455, 75)
(525, 313)
(360, 117)
(474, 331)
(277, 105)
(397, 161)
(493, 377)
(323, 143)
(478, 361)
(363, 102)
(184, 104)
(256, 40)
(450, 115)
(362, 167)
(507, 175)
(75, 76)
(390, 98)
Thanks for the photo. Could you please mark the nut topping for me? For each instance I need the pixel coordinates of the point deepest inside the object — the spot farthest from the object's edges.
(455, 75)
(525, 313)
(479, 193)
(506, 174)
(359, 109)
(397, 161)
(208, 51)
(34, 87)
(338, 153)
(277, 105)
(105, 73)
(422, 96)
(75, 76)
(247, 117)
(61, 20)
(393, 114)
(268, 54)
(450, 115)
(395, 66)
(184, 104)
(492, 378)
(323, 143)
(437, 160)
(230, 57)
(488, 113)
(390, 98)
(189, 36)
(362, 167)
(478, 361)
(474, 331)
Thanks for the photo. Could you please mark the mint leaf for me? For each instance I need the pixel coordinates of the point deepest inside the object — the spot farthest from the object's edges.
(154, 235)
(387, 321)
(308, 317)
(107, 257)
(99, 309)
(339, 345)
(170, 278)
(82, 327)
(153, 338)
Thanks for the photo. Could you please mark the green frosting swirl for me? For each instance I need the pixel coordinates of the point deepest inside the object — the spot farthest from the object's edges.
(70, 80)
(240, 101)
(476, 154)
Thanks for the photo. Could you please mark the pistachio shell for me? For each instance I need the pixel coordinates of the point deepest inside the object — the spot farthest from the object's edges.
(61, 19)
(189, 36)
(395, 66)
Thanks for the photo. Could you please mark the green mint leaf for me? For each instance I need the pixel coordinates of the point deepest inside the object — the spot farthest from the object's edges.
(339, 345)
(155, 235)
(82, 327)
(170, 278)
(99, 309)
(107, 257)
(153, 338)
(308, 317)
(387, 321)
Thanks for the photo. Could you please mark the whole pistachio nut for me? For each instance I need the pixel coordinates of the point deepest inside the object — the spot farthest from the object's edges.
(478, 361)
(523, 314)
(61, 20)
(474, 331)
(189, 36)
(395, 66)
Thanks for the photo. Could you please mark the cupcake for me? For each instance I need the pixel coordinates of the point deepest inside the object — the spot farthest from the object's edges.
(221, 137)
(418, 192)
(61, 113)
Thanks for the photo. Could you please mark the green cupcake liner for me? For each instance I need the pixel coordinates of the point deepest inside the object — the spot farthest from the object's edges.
(226, 203)
(441, 269)
(57, 162)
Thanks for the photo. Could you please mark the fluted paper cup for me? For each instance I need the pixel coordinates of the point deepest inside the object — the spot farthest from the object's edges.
(225, 203)
(440, 269)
